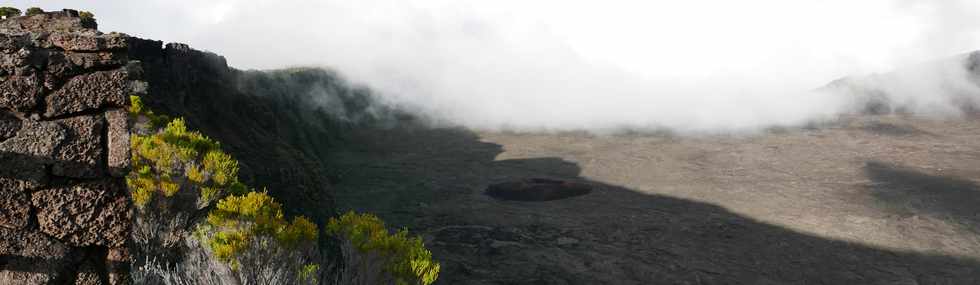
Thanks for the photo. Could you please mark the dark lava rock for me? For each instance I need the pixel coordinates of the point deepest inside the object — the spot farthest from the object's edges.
(90, 213)
(9, 125)
(537, 189)
(31, 257)
(90, 91)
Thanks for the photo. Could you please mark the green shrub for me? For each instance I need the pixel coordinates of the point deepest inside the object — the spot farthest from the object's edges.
(138, 111)
(86, 15)
(174, 159)
(404, 257)
(239, 219)
(33, 11)
(247, 230)
(9, 12)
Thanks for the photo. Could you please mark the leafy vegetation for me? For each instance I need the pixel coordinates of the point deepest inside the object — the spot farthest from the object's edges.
(404, 257)
(9, 12)
(173, 160)
(142, 115)
(239, 219)
(33, 11)
(86, 15)
(246, 230)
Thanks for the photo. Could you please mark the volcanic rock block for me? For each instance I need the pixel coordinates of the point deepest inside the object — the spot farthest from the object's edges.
(15, 207)
(90, 60)
(36, 139)
(89, 92)
(65, 20)
(9, 125)
(88, 274)
(81, 155)
(10, 43)
(20, 92)
(23, 172)
(85, 214)
(24, 156)
(30, 257)
(118, 136)
(10, 62)
(90, 41)
(537, 189)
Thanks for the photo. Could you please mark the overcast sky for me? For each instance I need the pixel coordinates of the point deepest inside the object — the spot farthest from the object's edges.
(699, 64)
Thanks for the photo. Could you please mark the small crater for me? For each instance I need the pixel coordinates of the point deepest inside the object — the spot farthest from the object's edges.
(537, 189)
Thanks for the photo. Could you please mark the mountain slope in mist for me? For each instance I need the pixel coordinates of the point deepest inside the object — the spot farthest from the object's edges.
(943, 88)
(280, 124)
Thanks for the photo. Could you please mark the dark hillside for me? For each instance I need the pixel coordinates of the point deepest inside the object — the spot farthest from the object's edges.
(278, 122)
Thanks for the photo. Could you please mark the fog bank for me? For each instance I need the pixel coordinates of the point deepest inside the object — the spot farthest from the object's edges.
(702, 65)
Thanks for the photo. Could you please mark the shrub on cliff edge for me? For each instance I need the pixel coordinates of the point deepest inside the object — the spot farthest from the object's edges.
(6, 12)
(33, 11)
(246, 230)
(368, 244)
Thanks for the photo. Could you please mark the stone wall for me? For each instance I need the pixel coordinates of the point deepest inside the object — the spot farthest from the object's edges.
(64, 146)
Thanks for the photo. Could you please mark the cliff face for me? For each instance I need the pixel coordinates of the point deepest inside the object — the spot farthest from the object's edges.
(64, 146)
(277, 142)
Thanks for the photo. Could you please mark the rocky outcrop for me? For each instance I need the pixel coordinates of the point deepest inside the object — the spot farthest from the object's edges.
(65, 215)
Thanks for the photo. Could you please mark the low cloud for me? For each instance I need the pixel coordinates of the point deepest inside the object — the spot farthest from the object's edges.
(702, 65)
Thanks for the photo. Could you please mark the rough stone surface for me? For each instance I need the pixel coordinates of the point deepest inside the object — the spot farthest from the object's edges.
(118, 140)
(15, 206)
(65, 20)
(90, 213)
(39, 139)
(64, 87)
(11, 43)
(97, 59)
(88, 41)
(88, 92)
(20, 93)
(88, 274)
(82, 153)
(26, 171)
(9, 125)
(30, 257)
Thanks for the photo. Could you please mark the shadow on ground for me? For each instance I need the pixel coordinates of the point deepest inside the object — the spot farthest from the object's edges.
(906, 191)
(431, 180)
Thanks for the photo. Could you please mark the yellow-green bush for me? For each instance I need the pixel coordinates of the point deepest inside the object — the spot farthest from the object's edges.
(174, 159)
(137, 110)
(406, 258)
(239, 219)
(169, 159)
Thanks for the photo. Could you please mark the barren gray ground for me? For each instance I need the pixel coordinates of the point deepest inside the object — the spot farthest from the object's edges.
(869, 200)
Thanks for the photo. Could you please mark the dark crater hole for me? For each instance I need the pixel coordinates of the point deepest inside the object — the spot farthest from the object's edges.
(537, 189)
